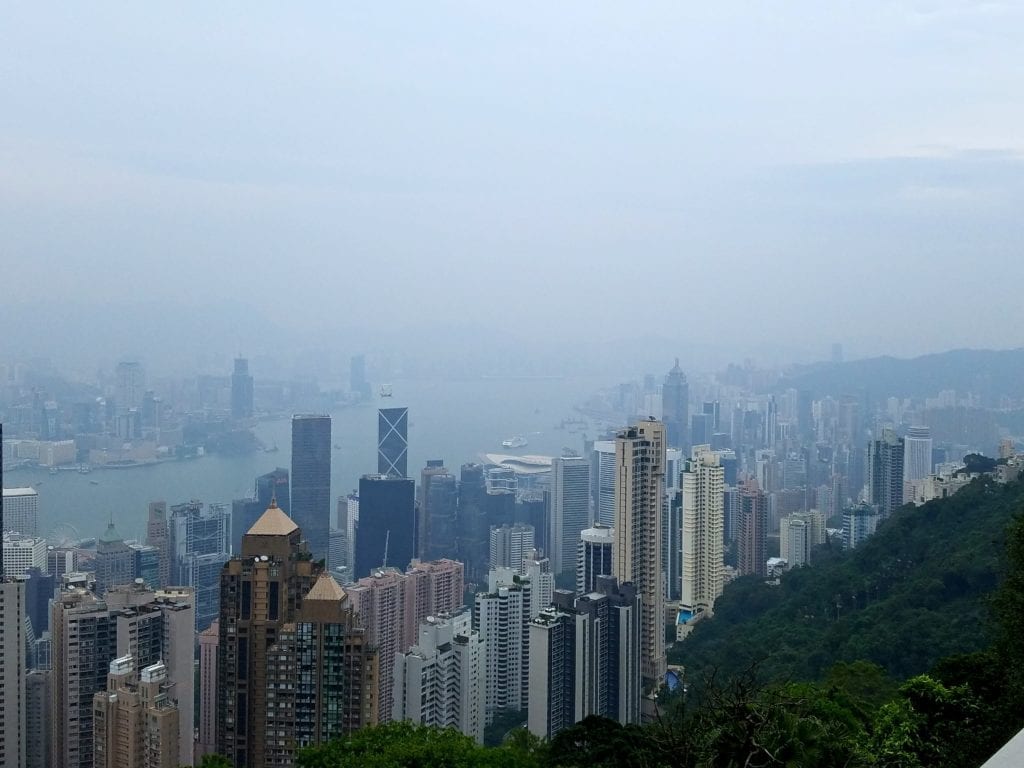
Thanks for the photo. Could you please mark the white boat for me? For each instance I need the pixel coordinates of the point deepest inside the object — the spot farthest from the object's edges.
(514, 442)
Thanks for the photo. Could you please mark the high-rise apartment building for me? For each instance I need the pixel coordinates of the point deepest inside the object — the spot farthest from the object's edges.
(885, 472)
(639, 495)
(261, 591)
(393, 442)
(159, 627)
(859, 522)
(602, 482)
(568, 509)
(13, 736)
(440, 681)
(37, 718)
(79, 621)
(21, 510)
(206, 717)
(311, 480)
(917, 459)
(675, 406)
(752, 530)
(585, 659)
(594, 558)
(501, 616)
(387, 522)
(241, 390)
(537, 570)
(509, 545)
(799, 533)
(392, 605)
(321, 675)
(135, 722)
(703, 518)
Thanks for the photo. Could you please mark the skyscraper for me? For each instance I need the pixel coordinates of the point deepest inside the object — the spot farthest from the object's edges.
(262, 590)
(241, 390)
(703, 518)
(675, 406)
(393, 442)
(752, 530)
(917, 454)
(321, 675)
(387, 519)
(206, 717)
(440, 681)
(199, 548)
(594, 557)
(158, 535)
(509, 545)
(473, 530)
(392, 605)
(13, 738)
(585, 659)
(885, 472)
(115, 561)
(135, 723)
(569, 509)
(602, 482)
(131, 382)
(639, 494)
(438, 507)
(501, 616)
(311, 480)
(21, 510)
(358, 384)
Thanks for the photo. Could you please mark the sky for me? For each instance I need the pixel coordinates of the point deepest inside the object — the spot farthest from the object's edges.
(736, 177)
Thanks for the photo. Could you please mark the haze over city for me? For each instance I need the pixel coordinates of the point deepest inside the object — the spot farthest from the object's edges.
(557, 385)
(769, 178)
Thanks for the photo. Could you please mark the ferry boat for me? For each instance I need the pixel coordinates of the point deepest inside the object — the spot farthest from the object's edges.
(514, 442)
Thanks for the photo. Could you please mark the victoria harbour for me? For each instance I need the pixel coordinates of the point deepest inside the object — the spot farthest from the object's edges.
(454, 420)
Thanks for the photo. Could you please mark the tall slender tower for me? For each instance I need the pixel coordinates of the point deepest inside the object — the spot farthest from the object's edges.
(703, 518)
(752, 530)
(569, 510)
(639, 491)
(675, 406)
(311, 480)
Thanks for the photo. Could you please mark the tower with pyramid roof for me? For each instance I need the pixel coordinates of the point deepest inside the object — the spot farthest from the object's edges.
(115, 560)
(261, 591)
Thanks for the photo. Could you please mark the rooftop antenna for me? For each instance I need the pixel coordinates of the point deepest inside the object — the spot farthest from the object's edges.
(387, 540)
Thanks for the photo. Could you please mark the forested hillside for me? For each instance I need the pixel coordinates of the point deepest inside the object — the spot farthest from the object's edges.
(913, 593)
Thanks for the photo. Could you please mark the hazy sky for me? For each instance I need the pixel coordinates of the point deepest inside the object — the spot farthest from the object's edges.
(747, 174)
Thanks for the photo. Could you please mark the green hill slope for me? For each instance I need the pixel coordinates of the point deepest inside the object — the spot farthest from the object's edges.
(913, 593)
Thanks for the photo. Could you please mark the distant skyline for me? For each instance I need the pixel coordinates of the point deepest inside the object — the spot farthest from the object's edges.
(745, 180)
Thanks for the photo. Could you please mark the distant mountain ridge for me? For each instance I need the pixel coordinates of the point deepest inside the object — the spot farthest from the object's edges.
(991, 373)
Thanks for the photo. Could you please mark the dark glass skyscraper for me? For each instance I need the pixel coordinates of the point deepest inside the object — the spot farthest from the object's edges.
(675, 407)
(393, 442)
(387, 519)
(311, 480)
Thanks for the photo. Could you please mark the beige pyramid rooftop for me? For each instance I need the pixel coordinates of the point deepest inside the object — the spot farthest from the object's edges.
(273, 522)
(326, 588)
